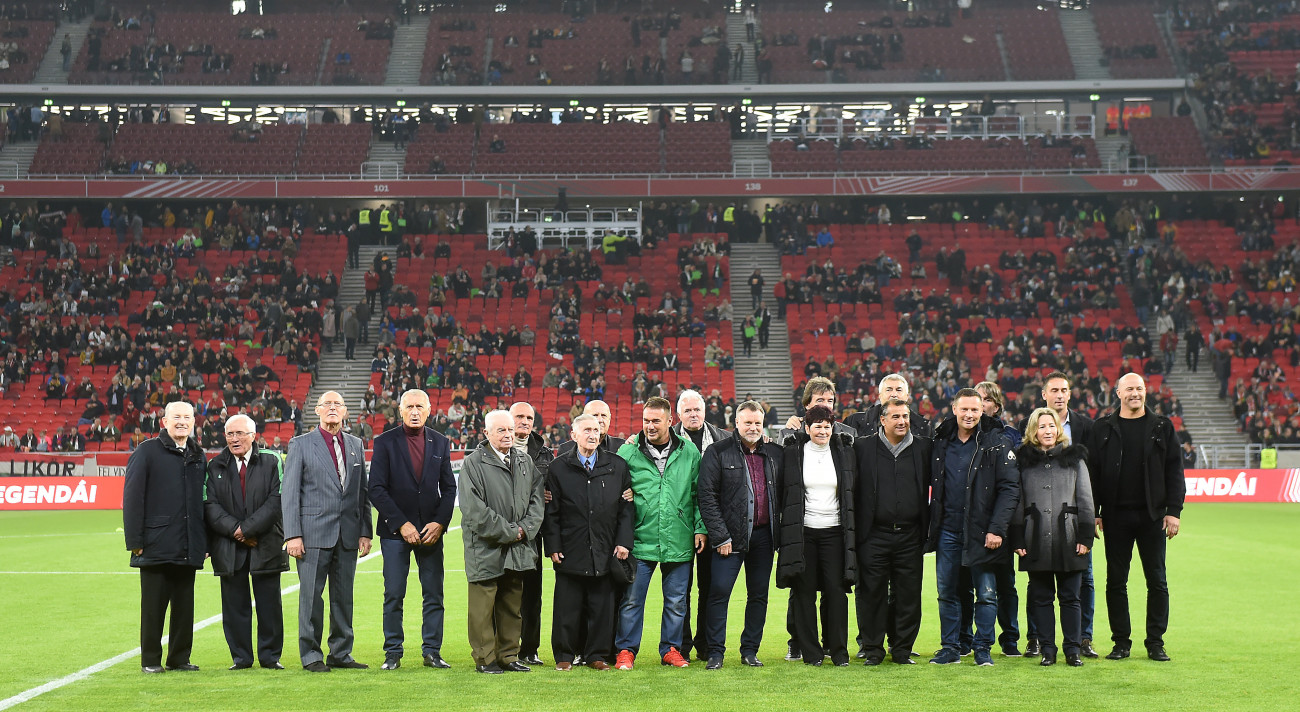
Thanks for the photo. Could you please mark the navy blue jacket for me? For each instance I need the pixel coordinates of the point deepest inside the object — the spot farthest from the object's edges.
(992, 491)
(399, 496)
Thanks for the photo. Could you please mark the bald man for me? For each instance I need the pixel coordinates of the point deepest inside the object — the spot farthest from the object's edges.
(528, 440)
(327, 526)
(599, 410)
(1137, 482)
(162, 516)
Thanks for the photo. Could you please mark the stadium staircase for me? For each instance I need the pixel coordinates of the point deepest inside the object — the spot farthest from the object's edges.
(1006, 58)
(51, 69)
(1207, 419)
(386, 160)
(736, 35)
(16, 159)
(749, 158)
(1109, 149)
(407, 55)
(334, 372)
(765, 375)
(1084, 45)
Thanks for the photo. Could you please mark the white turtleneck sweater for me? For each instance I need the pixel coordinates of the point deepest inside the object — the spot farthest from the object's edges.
(821, 507)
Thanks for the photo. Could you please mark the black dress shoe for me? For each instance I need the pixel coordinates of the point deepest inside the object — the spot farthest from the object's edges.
(873, 660)
(1118, 653)
(1158, 654)
(1073, 660)
(273, 665)
(751, 661)
(391, 663)
(1049, 657)
(318, 666)
(862, 654)
(1032, 648)
(184, 667)
(349, 664)
(492, 669)
(436, 661)
(531, 659)
(151, 669)
(714, 664)
(516, 666)
(240, 666)
(1086, 649)
(904, 661)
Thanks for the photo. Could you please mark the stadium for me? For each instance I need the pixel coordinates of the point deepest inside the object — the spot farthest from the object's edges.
(245, 206)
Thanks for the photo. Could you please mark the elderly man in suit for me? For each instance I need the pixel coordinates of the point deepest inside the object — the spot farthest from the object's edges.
(414, 490)
(326, 527)
(501, 518)
(162, 516)
(246, 541)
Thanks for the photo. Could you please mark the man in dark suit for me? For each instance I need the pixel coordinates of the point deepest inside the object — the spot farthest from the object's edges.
(893, 517)
(691, 424)
(588, 523)
(162, 515)
(326, 527)
(526, 439)
(412, 486)
(246, 541)
(1078, 429)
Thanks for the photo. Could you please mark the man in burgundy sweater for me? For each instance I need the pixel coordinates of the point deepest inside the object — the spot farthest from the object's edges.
(414, 490)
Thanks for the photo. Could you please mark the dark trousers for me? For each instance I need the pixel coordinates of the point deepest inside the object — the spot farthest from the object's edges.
(336, 566)
(1125, 528)
(1043, 587)
(823, 554)
(237, 616)
(1193, 359)
(703, 577)
(161, 587)
(891, 562)
(531, 610)
(397, 569)
(584, 618)
(350, 348)
(758, 579)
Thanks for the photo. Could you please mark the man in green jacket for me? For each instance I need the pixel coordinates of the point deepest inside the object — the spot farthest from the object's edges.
(669, 530)
(501, 517)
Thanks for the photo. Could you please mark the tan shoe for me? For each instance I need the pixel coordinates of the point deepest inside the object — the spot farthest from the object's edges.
(598, 665)
(564, 667)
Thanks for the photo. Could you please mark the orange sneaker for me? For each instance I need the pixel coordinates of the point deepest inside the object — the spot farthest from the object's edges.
(624, 660)
(674, 657)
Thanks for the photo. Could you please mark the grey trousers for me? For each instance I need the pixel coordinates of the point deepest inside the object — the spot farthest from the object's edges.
(338, 566)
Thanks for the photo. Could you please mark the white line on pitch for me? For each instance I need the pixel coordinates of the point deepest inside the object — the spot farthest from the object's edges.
(123, 657)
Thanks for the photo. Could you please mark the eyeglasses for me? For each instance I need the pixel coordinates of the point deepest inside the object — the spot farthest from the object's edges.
(238, 434)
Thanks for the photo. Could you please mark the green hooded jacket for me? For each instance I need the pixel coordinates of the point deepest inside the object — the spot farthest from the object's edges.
(667, 508)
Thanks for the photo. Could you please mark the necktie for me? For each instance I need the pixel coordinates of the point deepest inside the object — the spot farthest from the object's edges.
(589, 464)
(243, 469)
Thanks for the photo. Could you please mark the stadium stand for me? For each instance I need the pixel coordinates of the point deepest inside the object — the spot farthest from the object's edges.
(827, 156)
(1131, 40)
(1168, 142)
(23, 41)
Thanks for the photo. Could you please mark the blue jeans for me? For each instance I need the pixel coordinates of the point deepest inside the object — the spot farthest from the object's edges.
(397, 567)
(675, 578)
(947, 571)
(758, 579)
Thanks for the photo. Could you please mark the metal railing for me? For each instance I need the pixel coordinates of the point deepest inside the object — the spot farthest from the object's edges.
(938, 127)
(585, 227)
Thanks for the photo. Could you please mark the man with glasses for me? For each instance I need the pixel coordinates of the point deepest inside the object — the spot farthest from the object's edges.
(246, 541)
(412, 486)
(326, 527)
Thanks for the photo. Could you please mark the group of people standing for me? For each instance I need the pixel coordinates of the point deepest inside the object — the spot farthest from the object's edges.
(832, 506)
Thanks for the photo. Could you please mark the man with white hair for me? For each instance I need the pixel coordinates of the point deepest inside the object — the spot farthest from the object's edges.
(501, 518)
(162, 517)
(246, 541)
(691, 424)
(891, 386)
(599, 410)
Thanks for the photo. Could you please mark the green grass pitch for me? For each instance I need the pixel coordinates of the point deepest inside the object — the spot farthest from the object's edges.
(1235, 635)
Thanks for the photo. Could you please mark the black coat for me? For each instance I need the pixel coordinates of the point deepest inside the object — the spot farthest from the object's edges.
(790, 496)
(1080, 428)
(162, 503)
(868, 422)
(399, 495)
(864, 490)
(726, 492)
(1163, 465)
(1056, 511)
(587, 516)
(255, 510)
(992, 491)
